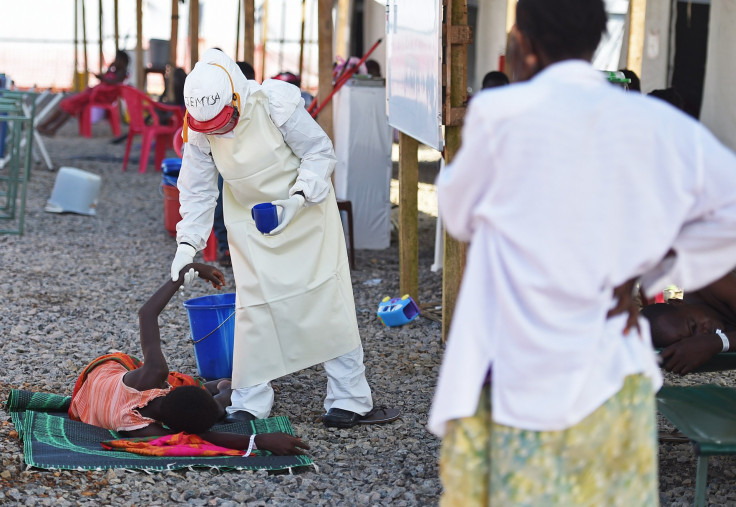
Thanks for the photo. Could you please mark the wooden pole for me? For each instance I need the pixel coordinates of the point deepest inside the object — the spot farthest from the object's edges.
(282, 36)
(173, 43)
(237, 33)
(324, 22)
(193, 32)
(84, 46)
(510, 14)
(454, 251)
(408, 216)
(140, 76)
(264, 38)
(637, 28)
(117, 29)
(101, 60)
(76, 81)
(343, 11)
(301, 38)
(249, 23)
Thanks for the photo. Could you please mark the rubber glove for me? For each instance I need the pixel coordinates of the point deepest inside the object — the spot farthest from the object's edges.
(291, 207)
(184, 255)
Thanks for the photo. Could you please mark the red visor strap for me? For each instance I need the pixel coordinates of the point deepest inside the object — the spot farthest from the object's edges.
(222, 123)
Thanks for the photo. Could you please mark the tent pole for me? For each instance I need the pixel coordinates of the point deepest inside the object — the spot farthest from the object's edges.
(249, 49)
(264, 38)
(456, 71)
(408, 216)
(343, 28)
(100, 34)
(173, 42)
(324, 22)
(237, 34)
(84, 46)
(117, 31)
(301, 39)
(140, 77)
(193, 32)
(637, 28)
(75, 81)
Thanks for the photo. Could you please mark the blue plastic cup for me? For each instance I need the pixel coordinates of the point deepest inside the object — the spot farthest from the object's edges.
(265, 216)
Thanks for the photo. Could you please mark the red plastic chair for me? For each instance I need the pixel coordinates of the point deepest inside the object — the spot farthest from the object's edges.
(144, 121)
(104, 97)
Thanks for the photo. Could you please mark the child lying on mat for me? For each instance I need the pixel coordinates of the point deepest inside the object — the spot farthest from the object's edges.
(696, 328)
(120, 393)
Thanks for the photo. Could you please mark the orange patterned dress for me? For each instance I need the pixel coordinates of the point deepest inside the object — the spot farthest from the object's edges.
(102, 399)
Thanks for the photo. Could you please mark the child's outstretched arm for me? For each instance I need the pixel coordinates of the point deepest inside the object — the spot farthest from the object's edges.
(280, 444)
(154, 371)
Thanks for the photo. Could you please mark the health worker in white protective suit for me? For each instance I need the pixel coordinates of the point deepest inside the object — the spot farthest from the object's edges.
(294, 303)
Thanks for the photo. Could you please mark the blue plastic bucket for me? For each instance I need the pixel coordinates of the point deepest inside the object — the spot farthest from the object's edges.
(171, 166)
(169, 180)
(212, 324)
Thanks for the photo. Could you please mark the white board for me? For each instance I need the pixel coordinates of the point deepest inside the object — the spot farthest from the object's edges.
(414, 69)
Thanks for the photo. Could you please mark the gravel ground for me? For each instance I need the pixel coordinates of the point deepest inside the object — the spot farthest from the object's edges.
(71, 287)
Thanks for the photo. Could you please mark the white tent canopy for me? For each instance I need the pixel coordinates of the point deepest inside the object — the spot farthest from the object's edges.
(718, 112)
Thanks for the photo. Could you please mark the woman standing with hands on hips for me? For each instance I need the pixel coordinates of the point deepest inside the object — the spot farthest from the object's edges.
(568, 189)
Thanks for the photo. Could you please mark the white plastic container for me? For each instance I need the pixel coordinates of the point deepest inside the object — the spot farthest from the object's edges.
(75, 191)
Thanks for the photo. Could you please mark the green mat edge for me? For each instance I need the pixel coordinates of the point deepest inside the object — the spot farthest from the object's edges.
(23, 425)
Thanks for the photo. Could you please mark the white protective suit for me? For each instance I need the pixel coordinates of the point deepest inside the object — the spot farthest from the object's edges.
(294, 304)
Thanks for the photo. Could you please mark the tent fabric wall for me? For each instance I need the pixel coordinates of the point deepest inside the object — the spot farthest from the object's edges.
(489, 38)
(718, 111)
(656, 53)
(363, 150)
(374, 28)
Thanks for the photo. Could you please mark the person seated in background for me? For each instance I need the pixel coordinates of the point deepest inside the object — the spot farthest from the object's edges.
(694, 329)
(177, 93)
(373, 68)
(669, 95)
(247, 69)
(119, 393)
(634, 82)
(493, 79)
(177, 88)
(106, 91)
(296, 80)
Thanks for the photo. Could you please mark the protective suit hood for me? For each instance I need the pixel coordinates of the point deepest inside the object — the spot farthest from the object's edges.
(208, 89)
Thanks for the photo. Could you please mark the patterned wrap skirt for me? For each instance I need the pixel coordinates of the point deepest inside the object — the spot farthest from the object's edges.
(609, 458)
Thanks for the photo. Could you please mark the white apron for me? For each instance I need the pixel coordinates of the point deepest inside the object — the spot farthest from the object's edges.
(294, 306)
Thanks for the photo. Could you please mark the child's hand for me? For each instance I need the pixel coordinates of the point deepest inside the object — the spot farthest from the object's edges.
(686, 355)
(281, 444)
(209, 273)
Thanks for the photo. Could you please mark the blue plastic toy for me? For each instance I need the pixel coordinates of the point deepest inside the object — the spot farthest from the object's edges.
(395, 312)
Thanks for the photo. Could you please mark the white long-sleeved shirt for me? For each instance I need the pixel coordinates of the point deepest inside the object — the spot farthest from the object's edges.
(197, 182)
(566, 187)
